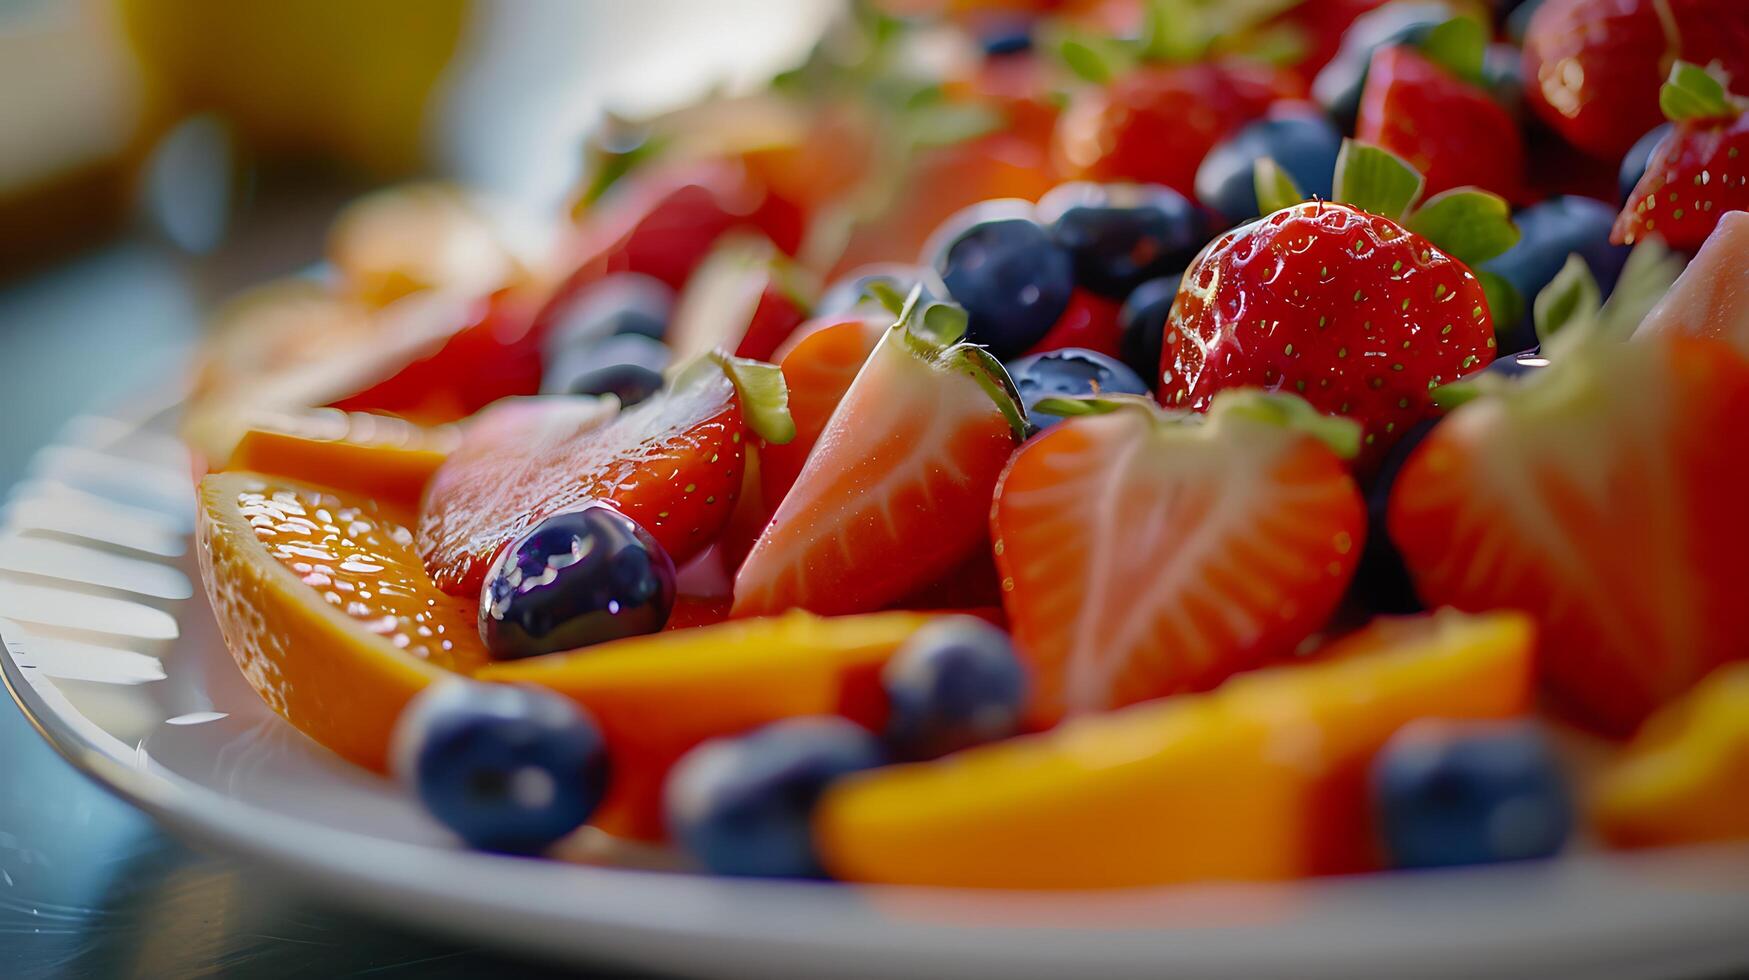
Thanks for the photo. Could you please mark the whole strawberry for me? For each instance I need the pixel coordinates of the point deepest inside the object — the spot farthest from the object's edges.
(1696, 174)
(1345, 303)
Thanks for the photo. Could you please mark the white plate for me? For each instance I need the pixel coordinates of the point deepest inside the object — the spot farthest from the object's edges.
(121, 670)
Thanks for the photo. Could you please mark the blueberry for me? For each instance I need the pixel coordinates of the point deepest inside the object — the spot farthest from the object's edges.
(1381, 579)
(954, 684)
(627, 365)
(1550, 231)
(623, 303)
(1121, 235)
(852, 290)
(1142, 326)
(1304, 144)
(507, 768)
(1070, 371)
(1450, 794)
(578, 578)
(1339, 83)
(1013, 280)
(1006, 36)
(1517, 366)
(743, 806)
(1633, 166)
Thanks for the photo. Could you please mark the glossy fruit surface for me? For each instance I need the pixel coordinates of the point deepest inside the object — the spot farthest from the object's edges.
(1142, 326)
(1262, 779)
(508, 768)
(672, 464)
(576, 579)
(1069, 373)
(1633, 165)
(1121, 235)
(1089, 321)
(627, 366)
(1711, 297)
(818, 370)
(656, 697)
(1297, 137)
(374, 457)
(1338, 86)
(1011, 277)
(1476, 793)
(326, 609)
(954, 684)
(743, 806)
(1133, 569)
(1601, 496)
(1453, 132)
(1347, 309)
(1692, 179)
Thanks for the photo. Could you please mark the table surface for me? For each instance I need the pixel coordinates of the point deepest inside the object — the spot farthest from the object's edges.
(89, 887)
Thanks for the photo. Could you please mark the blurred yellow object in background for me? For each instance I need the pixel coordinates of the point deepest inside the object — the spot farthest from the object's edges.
(414, 237)
(1685, 776)
(336, 79)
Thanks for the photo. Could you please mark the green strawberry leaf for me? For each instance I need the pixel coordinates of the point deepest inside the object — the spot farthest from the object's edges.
(1572, 297)
(1290, 411)
(883, 292)
(1472, 225)
(1275, 188)
(1093, 57)
(1458, 46)
(1174, 31)
(1505, 303)
(1650, 271)
(764, 396)
(993, 378)
(1069, 406)
(947, 123)
(1376, 180)
(1691, 92)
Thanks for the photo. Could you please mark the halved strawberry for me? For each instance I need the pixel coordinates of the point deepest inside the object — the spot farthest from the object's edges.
(1698, 173)
(1443, 125)
(672, 463)
(818, 370)
(1146, 553)
(1351, 303)
(1711, 298)
(1089, 322)
(1604, 496)
(897, 486)
(745, 297)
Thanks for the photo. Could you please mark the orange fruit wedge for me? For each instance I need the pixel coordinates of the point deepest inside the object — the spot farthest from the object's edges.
(373, 457)
(1685, 776)
(1261, 779)
(326, 608)
(658, 696)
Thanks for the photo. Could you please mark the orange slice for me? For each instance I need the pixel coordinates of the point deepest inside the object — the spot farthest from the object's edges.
(373, 457)
(1261, 779)
(327, 609)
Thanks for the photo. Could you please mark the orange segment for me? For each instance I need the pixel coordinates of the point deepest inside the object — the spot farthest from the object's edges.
(1685, 777)
(327, 609)
(1255, 781)
(658, 696)
(375, 457)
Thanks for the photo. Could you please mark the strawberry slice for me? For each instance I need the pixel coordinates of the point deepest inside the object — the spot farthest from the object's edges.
(897, 486)
(1604, 496)
(1146, 553)
(1698, 173)
(1711, 298)
(818, 370)
(672, 463)
(1444, 126)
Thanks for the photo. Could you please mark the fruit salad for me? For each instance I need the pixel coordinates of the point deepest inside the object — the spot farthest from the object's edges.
(1068, 444)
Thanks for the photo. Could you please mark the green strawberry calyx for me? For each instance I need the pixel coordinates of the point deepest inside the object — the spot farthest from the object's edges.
(1692, 93)
(935, 333)
(1277, 408)
(763, 395)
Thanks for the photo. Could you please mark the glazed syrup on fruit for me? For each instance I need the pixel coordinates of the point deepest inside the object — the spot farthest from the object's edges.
(363, 564)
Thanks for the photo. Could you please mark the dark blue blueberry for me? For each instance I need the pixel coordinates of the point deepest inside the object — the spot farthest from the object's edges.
(1142, 326)
(1633, 166)
(1549, 232)
(1121, 235)
(578, 578)
(623, 303)
(1006, 36)
(743, 806)
(1012, 279)
(1517, 366)
(1069, 372)
(852, 290)
(1303, 143)
(1339, 84)
(507, 768)
(954, 684)
(627, 365)
(1381, 580)
(1450, 793)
